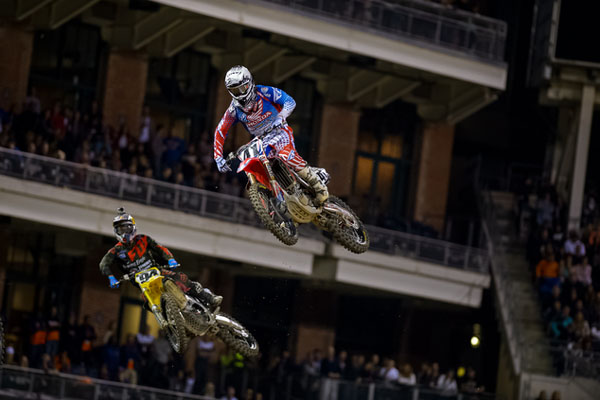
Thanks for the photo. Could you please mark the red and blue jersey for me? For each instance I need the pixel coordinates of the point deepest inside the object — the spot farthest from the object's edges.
(271, 103)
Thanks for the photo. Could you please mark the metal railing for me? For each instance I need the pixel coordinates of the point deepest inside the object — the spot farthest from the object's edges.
(416, 20)
(506, 294)
(28, 383)
(219, 206)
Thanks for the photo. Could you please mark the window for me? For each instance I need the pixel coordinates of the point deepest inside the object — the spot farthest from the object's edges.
(302, 120)
(383, 159)
(65, 63)
(178, 92)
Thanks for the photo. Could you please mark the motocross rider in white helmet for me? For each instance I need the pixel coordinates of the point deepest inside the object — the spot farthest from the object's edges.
(263, 109)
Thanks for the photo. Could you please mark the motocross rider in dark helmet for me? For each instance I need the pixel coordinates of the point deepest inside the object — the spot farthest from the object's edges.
(136, 252)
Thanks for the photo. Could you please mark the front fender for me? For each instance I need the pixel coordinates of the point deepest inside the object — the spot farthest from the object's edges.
(253, 166)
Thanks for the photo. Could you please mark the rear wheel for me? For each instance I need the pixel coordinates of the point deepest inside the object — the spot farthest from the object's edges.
(273, 219)
(234, 335)
(349, 232)
(175, 330)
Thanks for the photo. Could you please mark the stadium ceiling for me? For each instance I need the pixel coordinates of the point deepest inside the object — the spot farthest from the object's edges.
(349, 65)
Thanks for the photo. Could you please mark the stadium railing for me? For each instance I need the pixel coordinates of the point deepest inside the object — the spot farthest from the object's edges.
(426, 22)
(18, 382)
(28, 383)
(219, 206)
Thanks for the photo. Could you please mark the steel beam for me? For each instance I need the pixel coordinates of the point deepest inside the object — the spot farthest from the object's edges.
(261, 55)
(65, 10)
(25, 8)
(155, 25)
(184, 35)
(288, 66)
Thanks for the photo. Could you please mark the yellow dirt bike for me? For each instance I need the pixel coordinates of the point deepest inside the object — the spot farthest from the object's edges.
(181, 316)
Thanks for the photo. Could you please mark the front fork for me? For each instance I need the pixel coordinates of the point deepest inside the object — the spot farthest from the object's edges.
(162, 322)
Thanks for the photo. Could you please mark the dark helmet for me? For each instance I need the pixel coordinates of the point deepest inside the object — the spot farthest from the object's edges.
(124, 226)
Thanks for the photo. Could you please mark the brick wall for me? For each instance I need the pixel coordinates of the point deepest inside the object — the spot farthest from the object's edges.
(16, 46)
(434, 164)
(125, 88)
(337, 145)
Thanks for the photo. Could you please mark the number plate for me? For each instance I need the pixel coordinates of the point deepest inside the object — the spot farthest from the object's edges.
(144, 276)
(252, 150)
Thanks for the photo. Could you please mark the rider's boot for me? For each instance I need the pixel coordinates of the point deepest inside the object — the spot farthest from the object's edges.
(208, 297)
(310, 176)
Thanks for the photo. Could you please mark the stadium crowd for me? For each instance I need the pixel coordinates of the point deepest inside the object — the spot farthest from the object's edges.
(210, 369)
(566, 269)
(154, 152)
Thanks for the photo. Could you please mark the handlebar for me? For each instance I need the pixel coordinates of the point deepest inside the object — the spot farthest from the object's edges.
(131, 275)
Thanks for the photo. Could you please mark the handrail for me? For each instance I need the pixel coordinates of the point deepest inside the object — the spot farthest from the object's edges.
(217, 205)
(471, 34)
(504, 292)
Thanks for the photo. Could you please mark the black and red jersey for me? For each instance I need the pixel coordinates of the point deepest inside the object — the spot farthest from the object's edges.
(143, 252)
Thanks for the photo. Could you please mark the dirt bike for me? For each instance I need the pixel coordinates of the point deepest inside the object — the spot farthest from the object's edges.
(283, 200)
(182, 316)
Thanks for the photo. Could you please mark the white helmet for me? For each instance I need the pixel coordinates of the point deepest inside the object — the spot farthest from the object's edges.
(124, 226)
(240, 84)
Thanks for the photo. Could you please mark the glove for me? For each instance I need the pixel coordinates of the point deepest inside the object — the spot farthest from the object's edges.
(114, 283)
(278, 123)
(173, 264)
(222, 164)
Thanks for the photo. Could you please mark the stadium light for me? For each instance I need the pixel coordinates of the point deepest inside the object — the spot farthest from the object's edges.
(476, 338)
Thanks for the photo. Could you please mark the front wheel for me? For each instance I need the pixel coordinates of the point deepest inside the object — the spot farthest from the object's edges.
(234, 335)
(349, 232)
(273, 219)
(175, 330)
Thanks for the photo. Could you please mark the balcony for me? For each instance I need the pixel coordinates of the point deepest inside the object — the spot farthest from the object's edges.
(420, 21)
(80, 197)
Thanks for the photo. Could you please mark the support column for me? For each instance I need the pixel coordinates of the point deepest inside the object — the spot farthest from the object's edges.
(125, 89)
(16, 47)
(584, 127)
(97, 299)
(315, 312)
(337, 145)
(435, 160)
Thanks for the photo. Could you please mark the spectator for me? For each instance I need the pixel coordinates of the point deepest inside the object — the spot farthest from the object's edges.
(547, 272)
(145, 129)
(545, 211)
(330, 371)
(581, 328)
(53, 336)
(311, 369)
(205, 349)
(38, 341)
(470, 384)
(130, 351)
(555, 395)
(561, 326)
(424, 376)
(582, 273)
(111, 358)
(406, 375)
(389, 373)
(435, 374)
(174, 148)
(129, 374)
(447, 384)
(542, 395)
(573, 246)
(87, 335)
(230, 394)
(144, 341)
